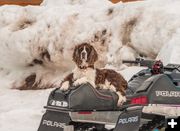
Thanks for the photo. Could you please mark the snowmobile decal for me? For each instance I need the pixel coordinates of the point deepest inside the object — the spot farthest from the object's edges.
(58, 103)
(168, 93)
(53, 123)
(129, 120)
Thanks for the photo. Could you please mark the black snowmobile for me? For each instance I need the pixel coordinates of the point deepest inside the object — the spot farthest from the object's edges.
(155, 93)
(85, 108)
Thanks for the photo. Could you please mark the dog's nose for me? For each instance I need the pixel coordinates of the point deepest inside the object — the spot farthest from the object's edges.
(83, 54)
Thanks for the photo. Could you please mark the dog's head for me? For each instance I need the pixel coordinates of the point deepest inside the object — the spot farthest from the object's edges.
(85, 56)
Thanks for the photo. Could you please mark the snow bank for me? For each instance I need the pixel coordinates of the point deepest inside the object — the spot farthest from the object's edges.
(39, 40)
(170, 53)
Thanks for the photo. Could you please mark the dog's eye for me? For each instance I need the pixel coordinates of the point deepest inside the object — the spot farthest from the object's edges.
(87, 49)
(80, 49)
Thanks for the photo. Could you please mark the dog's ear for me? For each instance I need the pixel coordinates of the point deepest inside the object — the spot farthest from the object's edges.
(93, 57)
(75, 54)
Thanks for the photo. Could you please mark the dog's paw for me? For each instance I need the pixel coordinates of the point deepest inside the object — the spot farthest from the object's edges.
(121, 99)
(80, 81)
(65, 86)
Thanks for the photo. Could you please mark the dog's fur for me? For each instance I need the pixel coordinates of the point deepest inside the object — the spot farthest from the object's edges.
(85, 56)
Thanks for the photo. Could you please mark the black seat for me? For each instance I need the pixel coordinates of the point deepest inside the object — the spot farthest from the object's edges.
(84, 97)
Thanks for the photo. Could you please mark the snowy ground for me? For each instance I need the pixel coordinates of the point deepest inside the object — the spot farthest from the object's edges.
(40, 39)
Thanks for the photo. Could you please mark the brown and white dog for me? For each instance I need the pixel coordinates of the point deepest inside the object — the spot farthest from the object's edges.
(85, 56)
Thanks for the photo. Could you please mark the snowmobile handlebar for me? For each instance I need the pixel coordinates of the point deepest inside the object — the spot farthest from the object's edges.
(153, 64)
(141, 62)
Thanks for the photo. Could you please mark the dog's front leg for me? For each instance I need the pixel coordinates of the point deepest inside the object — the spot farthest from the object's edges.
(80, 81)
(66, 82)
(64, 86)
(121, 99)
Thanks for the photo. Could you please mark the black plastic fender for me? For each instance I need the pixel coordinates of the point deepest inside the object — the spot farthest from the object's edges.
(54, 121)
(129, 120)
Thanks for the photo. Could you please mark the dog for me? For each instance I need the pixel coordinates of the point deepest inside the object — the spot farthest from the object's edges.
(85, 56)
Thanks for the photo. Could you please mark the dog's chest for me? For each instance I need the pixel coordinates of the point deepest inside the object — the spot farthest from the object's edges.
(90, 74)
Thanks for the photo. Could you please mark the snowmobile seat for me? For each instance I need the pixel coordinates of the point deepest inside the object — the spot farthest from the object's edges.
(175, 77)
(85, 97)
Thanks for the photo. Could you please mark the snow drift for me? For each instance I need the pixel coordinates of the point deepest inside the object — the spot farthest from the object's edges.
(38, 41)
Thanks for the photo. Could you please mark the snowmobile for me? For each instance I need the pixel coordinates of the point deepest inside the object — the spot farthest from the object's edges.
(155, 93)
(151, 93)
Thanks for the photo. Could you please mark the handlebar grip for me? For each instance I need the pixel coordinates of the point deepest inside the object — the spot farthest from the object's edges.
(130, 62)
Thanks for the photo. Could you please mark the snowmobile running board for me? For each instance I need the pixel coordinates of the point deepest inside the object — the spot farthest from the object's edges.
(162, 109)
(100, 117)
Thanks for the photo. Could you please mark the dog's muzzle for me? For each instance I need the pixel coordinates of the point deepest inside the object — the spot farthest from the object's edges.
(84, 55)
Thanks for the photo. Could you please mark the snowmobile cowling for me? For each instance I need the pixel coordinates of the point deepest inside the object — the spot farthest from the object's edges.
(85, 97)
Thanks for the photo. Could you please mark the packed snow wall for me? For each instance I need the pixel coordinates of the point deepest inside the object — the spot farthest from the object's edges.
(37, 41)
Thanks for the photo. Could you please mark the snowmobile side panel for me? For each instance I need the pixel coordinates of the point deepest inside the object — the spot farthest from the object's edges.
(85, 97)
(160, 89)
(164, 91)
(100, 117)
(54, 121)
(129, 120)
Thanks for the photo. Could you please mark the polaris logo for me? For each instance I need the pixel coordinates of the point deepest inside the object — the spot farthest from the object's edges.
(53, 124)
(128, 120)
(168, 93)
(59, 103)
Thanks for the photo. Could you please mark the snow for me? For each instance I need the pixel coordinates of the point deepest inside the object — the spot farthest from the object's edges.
(169, 53)
(130, 71)
(21, 110)
(40, 40)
